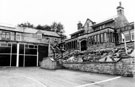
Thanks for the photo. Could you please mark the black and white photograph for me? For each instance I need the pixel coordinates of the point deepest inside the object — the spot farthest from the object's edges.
(67, 43)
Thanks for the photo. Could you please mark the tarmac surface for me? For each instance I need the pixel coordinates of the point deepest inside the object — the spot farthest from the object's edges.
(37, 77)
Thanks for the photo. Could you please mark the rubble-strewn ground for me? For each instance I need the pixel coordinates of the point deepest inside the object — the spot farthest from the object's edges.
(37, 77)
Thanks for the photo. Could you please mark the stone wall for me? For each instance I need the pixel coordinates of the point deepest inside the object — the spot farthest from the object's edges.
(125, 67)
(49, 63)
(101, 46)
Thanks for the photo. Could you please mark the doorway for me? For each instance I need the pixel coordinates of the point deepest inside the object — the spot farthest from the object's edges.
(42, 52)
(83, 45)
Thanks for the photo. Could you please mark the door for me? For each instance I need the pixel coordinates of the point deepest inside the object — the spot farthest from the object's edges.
(43, 52)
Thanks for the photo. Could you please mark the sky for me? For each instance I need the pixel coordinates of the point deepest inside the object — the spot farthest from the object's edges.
(67, 12)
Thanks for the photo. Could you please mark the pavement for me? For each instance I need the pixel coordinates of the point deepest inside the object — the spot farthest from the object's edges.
(37, 77)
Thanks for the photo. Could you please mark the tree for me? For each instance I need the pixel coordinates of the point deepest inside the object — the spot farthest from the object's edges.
(60, 28)
(39, 27)
(45, 27)
(57, 27)
(27, 24)
(54, 26)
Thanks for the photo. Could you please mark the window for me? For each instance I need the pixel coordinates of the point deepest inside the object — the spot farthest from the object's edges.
(39, 36)
(92, 40)
(12, 35)
(3, 36)
(35, 46)
(127, 37)
(56, 39)
(100, 27)
(98, 40)
(132, 26)
(103, 26)
(7, 36)
(132, 36)
(95, 38)
(101, 37)
(89, 40)
(4, 44)
(18, 36)
(110, 36)
(31, 46)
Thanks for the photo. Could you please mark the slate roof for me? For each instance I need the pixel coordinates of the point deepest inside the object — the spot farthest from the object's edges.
(81, 30)
(103, 22)
(29, 30)
(8, 28)
(49, 33)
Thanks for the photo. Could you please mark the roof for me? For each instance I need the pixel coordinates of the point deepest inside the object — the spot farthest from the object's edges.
(29, 30)
(77, 32)
(121, 21)
(8, 28)
(18, 29)
(91, 34)
(106, 21)
(49, 33)
(88, 20)
(97, 32)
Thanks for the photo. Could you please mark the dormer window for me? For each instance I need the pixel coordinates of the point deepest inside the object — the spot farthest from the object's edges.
(18, 36)
(39, 36)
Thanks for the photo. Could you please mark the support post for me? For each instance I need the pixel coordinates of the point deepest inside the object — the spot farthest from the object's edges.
(17, 60)
(49, 48)
(11, 55)
(125, 45)
(37, 56)
(24, 57)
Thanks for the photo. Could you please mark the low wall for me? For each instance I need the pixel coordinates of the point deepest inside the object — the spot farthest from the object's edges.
(125, 67)
(49, 63)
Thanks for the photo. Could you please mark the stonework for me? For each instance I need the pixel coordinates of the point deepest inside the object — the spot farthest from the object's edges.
(48, 63)
(125, 67)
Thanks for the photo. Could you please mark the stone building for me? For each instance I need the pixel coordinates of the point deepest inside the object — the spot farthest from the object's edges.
(106, 34)
(25, 46)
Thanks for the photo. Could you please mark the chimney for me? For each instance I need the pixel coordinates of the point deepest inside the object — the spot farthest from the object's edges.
(120, 10)
(79, 25)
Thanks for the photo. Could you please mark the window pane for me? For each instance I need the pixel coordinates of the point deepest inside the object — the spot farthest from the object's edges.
(132, 36)
(31, 51)
(12, 36)
(21, 50)
(127, 36)
(14, 48)
(4, 60)
(4, 49)
(101, 37)
(30, 60)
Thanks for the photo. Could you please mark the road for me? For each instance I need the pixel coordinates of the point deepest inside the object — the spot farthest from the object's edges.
(37, 77)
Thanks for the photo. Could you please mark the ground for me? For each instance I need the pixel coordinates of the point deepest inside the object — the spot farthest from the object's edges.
(37, 77)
